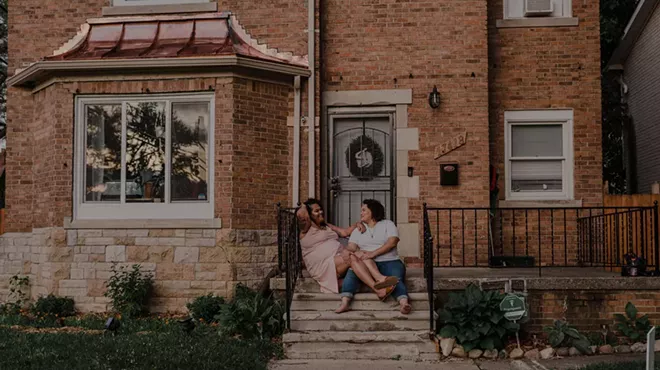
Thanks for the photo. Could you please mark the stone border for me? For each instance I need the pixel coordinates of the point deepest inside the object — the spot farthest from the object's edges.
(555, 283)
(143, 224)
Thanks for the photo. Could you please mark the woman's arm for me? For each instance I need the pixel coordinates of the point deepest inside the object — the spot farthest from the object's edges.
(390, 244)
(345, 233)
(303, 220)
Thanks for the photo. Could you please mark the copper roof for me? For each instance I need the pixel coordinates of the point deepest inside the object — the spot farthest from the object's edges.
(170, 37)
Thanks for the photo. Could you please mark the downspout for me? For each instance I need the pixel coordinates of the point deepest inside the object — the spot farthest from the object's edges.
(296, 141)
(311, 91)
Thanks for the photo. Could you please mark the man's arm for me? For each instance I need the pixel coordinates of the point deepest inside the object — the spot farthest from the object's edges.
(304, 223)
(390, 244)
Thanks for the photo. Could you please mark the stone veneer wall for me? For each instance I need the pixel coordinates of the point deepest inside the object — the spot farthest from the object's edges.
(186, 263)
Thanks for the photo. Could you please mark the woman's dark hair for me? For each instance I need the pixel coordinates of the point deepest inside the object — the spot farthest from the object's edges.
(309, 203)
(376, 208)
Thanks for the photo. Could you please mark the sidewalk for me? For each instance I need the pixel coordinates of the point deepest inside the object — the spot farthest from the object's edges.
(568, 363)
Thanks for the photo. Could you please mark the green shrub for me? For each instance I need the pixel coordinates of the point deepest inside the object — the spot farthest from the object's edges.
(130, 290)
(18, 298)
(632, 326)
(206, 307)
(560, 334)
(251, 315)
(474, 318)
(54, 306)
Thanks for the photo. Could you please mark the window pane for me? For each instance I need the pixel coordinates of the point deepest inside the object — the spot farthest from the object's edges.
(190, 127)
(536, 176)
(536, 141)
(145, 152)
(103, 153)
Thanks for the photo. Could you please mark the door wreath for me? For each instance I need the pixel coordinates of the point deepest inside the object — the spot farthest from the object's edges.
(364, 158)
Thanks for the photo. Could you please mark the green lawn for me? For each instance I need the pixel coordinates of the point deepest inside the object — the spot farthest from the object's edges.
(140, 344)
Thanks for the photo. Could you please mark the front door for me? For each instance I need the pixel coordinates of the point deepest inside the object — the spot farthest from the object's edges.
(361, 165)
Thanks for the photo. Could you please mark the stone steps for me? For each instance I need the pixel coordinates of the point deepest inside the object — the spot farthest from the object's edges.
(309, 285)
(361, 302)
(367, 321)
(354, 345)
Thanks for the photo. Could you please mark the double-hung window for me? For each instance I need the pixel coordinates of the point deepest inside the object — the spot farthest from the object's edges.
(539, 155)
(144, 157)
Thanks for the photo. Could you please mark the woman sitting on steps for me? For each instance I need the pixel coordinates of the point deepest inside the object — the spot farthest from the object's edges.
(327, 260)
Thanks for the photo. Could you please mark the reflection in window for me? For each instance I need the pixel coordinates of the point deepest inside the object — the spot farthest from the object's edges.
(189, 154)
(103, 153)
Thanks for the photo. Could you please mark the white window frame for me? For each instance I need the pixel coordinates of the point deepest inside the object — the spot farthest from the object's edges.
(541, 117)
(155, 2)
(165, 210)
(567, 10)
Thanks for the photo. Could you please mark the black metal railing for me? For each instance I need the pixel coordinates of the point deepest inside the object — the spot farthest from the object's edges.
(540, 237)
(289, 254)
(428, 269)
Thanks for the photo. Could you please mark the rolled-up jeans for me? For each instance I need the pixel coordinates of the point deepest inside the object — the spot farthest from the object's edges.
(351, 283)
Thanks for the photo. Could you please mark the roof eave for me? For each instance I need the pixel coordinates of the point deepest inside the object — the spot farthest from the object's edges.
(633, 30)
(40, 71)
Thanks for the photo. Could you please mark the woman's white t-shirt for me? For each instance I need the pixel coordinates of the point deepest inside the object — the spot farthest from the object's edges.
(372, 239)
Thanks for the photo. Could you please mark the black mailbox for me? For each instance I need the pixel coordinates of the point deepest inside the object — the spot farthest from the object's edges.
(449, 174)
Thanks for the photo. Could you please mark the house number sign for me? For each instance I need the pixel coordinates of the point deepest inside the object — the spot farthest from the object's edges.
(451, 144)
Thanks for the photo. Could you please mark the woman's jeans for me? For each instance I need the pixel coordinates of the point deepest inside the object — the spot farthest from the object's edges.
(390, 268)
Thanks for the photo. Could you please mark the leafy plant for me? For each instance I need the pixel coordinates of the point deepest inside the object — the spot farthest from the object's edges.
(474, 318)
(561, 334)
(251, 315)
(54, 306)
(205, 307)
(130, 290)
(632, 326)
(18, 298)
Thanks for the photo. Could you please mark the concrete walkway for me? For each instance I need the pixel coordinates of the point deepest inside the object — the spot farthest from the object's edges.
(556, 364)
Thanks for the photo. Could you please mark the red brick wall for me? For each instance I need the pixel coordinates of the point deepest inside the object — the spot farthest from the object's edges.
(416, 45)
(261, 147)
(552, 67)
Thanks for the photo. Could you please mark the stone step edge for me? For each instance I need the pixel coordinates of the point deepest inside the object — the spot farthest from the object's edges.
(399, 336)
(358, 316)
(418, 297)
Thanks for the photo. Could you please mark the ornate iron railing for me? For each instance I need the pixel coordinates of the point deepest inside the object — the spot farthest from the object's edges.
(289, 254)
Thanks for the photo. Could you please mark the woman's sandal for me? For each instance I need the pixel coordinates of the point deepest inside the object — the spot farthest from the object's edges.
(388, 292)
(388, 282)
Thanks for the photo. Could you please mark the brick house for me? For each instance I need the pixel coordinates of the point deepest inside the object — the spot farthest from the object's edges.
(163, 132)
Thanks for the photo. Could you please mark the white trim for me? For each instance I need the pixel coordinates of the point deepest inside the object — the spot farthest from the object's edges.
(122, 210)
(541, 117)
(155, 2)
(566, 11)
(367, 97)
(311, 98)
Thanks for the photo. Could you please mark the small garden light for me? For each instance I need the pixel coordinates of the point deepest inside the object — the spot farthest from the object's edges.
(187, 325)
(112, 324)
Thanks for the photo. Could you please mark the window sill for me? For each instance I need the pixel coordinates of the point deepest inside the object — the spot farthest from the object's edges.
(537, 22)
(215, 223)
(160, 9)
(540, 203)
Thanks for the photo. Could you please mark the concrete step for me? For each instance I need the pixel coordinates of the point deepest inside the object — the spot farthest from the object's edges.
(309, 285)
(400, 345)
(357, 305)
(367, 321)
(358, 315)
(358, 297)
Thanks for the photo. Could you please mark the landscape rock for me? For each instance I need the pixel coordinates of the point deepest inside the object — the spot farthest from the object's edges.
(638, 347)
(657, 346)
(532, 354)
(490, 354)
(475, 354)
(516, 354)
(459, 352)
(562, 352)
(594, 349)
(605, 350)
(622, 349)
(547, 353)
(574, 352)
(502, 355)
(446, 346)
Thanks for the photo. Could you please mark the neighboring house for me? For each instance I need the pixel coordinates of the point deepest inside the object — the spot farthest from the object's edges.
(637, 61)
(163, 132)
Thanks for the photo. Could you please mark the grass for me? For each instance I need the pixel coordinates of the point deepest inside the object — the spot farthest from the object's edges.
(139, 344)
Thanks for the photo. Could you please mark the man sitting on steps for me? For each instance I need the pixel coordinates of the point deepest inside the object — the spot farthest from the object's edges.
(378, 243)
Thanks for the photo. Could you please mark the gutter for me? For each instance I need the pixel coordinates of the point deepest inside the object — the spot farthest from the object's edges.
(311, 92)
(296, 141)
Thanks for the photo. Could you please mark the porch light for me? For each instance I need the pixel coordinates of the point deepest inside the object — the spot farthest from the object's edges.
(434, 98)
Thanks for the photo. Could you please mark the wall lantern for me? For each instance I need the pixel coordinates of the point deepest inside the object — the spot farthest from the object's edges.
(434, 98)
